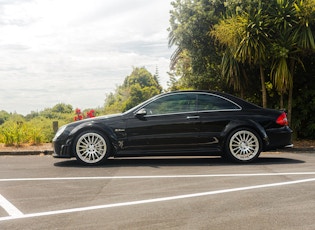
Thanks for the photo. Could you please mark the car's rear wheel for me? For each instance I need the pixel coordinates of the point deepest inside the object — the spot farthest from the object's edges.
(243, 145)
(91, 147)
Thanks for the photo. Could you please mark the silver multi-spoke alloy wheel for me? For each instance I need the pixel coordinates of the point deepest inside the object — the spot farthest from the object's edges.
(91, 148)
(244, 146)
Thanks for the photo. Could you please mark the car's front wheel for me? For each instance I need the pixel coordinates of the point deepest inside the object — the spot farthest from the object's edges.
(243, 145)
(91, 147)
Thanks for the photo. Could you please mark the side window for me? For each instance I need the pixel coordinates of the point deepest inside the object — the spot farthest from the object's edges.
(213, 102)
(177, 103)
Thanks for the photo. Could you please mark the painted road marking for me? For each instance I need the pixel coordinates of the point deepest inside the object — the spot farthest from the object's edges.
(105, 206)
(10, 208)
(156, 177)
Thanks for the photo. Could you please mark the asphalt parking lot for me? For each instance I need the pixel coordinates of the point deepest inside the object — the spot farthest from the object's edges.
(276, 192)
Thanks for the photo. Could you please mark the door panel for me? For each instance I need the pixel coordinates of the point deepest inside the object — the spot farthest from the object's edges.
(171, 122)
(163, 132)
(215, 114)
(212, 125)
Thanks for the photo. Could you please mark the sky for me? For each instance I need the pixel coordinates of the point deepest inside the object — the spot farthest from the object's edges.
(77, 51)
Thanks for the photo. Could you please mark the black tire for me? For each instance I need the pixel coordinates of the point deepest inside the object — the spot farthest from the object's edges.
(243, 145)
(91, 147)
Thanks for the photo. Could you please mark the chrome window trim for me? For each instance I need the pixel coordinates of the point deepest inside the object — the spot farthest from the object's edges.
(224, 98)
(195, 111)
(201, 111)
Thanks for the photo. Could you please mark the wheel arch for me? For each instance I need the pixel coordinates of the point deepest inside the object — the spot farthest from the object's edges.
(249, 124)
(100, 128)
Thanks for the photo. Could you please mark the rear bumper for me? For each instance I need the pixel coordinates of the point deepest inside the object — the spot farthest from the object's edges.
(279, 138)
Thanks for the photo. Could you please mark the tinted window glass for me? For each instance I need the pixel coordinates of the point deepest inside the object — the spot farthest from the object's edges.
(177, 103)
(212, 102)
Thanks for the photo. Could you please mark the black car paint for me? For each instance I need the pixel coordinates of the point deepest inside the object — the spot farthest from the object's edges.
(191, 133)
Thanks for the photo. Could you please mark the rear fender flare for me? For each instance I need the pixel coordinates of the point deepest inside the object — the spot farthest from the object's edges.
(236, 124)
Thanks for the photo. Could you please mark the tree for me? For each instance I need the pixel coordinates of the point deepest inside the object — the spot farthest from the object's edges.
(62, 108)
(59, 111)
(4, 116)
(141, 85)
(234, 73)
(245, 36)
(228, 32)
(280, 29)
(293, 38)
(248, 38)
(196, 58)
(138, 87)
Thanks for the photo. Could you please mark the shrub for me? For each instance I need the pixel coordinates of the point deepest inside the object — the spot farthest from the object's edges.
(13, 133)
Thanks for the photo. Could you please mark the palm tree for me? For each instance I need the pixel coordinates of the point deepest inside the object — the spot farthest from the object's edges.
(280, 68)
(292, 38)
(226, 32)
(252, 48)
(234, 73)
(246, 38)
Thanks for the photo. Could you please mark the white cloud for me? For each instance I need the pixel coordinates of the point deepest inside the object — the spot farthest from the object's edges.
(76, 51)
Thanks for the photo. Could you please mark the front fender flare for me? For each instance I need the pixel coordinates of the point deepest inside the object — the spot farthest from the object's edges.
(92, 126)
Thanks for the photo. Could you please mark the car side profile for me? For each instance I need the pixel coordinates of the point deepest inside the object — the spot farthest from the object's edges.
(180, 123)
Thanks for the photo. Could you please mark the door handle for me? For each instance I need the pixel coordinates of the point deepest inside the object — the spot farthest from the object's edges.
(192, 117)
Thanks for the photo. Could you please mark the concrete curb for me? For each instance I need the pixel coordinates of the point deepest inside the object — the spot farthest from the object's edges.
(297, 150)
(25, 153)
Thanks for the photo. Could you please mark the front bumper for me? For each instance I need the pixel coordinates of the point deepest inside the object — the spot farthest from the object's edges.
(61, 150)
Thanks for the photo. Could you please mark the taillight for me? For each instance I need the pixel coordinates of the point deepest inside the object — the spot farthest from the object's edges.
(282, 119)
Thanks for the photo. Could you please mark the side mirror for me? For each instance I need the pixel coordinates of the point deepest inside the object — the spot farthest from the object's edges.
(141, 113)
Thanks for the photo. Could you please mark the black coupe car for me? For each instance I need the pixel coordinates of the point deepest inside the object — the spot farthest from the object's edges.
(181, 123)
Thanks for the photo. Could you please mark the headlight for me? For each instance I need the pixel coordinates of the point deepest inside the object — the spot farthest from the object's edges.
(60, 131)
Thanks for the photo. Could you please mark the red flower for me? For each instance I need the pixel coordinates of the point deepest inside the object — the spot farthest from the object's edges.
(78, 111)
(79, 117)
(91, 113)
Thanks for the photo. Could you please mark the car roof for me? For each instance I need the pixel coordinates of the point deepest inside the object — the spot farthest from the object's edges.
(237, 100)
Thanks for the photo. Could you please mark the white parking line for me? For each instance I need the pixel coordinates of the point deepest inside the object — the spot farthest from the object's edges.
(156, 177)
(10, 208)
(31, 215)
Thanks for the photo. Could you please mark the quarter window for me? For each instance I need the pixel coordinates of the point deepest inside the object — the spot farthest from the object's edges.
(213, 102)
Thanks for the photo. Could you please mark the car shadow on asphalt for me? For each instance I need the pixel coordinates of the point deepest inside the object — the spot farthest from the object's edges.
(157, 162)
